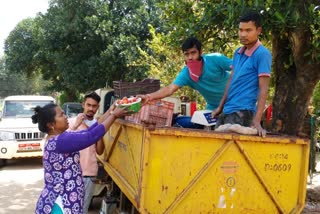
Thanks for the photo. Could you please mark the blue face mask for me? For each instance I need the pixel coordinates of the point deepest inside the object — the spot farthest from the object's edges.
(89, 122)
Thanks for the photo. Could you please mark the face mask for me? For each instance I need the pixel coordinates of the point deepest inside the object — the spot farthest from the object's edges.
(89, 122)
(195, 69)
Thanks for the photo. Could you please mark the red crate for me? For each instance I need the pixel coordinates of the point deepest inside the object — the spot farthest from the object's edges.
(157, 112)
(122, 89)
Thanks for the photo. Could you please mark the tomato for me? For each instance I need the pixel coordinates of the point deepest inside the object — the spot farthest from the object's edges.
(126, 100)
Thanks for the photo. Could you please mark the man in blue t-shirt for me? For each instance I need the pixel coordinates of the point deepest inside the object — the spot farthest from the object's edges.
(207, 74)
(249, 80)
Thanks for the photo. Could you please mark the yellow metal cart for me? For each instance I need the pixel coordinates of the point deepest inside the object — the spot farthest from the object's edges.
(174, 170)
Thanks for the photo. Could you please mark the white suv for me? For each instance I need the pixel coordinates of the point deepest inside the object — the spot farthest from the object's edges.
(19, 137)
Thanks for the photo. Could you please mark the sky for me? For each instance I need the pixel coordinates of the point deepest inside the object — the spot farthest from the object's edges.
(14, 11)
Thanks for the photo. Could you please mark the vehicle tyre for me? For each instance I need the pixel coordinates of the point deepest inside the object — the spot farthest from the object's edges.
(3, 162)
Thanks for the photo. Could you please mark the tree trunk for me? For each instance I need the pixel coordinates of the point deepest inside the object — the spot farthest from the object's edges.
(295, 78)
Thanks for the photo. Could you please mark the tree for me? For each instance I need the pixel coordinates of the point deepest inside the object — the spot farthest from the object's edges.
(21, 48)
(124, 25)
(70, 48)
(82, 45)
(19, 83)
(296, 61)
(291, 26)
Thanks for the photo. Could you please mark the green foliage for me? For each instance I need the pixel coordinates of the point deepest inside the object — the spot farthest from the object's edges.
(63, 98)
(82, 45)
(216, 22)
(127, 32)
(294, 23)
(71, 46)
(21, 48)
(165, 62)
(316, 99)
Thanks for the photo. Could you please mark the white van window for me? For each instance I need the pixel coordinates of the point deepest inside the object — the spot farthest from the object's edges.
(22, 108)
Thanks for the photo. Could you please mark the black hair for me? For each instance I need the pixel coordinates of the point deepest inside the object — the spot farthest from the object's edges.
(44, 115)
(92, 95)
(251, 16)
(190, 43)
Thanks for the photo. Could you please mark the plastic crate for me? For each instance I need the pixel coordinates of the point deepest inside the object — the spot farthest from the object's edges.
(122, 89)
(157, 112)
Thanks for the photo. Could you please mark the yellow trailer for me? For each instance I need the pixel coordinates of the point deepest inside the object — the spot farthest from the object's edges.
(174, 170)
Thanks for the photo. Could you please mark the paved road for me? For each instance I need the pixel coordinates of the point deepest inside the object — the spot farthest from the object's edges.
(21, 182)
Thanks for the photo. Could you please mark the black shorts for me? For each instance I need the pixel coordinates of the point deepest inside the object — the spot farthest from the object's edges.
(243, 118)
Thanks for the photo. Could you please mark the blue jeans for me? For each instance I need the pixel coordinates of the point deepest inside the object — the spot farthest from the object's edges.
(89, 188)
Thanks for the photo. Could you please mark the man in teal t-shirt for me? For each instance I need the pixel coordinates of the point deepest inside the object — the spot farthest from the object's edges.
(207, 74)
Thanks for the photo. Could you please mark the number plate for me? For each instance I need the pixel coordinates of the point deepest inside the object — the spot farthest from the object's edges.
(29, 147)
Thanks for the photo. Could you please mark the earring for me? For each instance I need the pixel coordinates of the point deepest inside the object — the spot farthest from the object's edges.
(52, 128)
